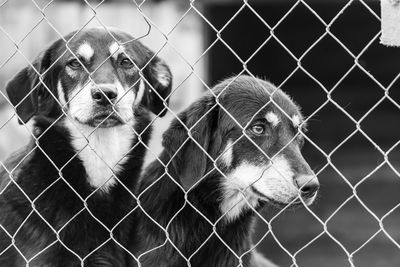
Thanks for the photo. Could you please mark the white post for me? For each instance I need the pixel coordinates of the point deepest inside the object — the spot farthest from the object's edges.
(390, 16)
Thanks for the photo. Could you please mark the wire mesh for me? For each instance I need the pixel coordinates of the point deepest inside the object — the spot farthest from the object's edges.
(151, 26)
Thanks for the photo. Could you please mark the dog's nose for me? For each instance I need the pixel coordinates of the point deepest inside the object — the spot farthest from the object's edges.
(104, 95)
(308, 185)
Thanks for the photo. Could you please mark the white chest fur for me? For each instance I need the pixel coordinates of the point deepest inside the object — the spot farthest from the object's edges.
(102, 151)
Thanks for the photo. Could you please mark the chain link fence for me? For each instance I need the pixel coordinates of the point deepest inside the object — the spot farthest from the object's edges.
(274, 232)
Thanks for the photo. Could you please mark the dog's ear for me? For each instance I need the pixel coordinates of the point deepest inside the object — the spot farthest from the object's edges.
(25, 90)
(188, 157)
(158, 85)
(21, 95)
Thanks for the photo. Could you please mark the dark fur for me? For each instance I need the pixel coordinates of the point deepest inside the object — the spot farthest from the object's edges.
(161, 194)
(59, 203)
(35, 172)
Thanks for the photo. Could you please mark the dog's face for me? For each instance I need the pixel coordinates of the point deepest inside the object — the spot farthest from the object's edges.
(97, 78)
(262, 149)
(253, 138)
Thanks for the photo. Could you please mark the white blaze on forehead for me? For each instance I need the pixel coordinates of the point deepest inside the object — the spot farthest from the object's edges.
(85, 51)
(272, 118)
(296, 120)
(114, 48)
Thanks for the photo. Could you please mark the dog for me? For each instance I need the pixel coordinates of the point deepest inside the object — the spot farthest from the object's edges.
(64, 197)
(228, 155)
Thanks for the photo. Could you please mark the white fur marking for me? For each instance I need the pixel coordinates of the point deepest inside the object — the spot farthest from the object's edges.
(80, 100)
(273, 181)
(108, 146)
(114, 48)
(296, 120)
(81, 103)
(272, 118)
(163, 76)
(106, 153)
(140, 92)
(86, 51)
(234, 203)
(70, 72)
(227, 155)
(61, 95)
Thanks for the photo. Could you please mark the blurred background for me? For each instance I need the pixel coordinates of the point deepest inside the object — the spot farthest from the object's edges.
(354, 128)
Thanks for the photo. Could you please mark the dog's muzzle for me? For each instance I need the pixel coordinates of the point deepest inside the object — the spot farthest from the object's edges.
(105, 118)
(105, 112)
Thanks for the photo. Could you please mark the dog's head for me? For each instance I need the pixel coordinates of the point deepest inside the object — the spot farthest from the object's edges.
(96, 77)
(252, 136)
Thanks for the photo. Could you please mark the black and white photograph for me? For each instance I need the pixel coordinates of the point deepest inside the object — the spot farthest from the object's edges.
(199, 133)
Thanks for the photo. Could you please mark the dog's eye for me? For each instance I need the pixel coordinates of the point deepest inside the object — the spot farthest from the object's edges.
(126, 63)
(74, 63)
(258, 129)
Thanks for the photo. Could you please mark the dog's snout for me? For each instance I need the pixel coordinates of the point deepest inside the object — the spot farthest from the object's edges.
(104, 95)
(308, 185)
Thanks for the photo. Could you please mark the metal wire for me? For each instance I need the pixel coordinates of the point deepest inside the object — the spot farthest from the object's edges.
(244, 61)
